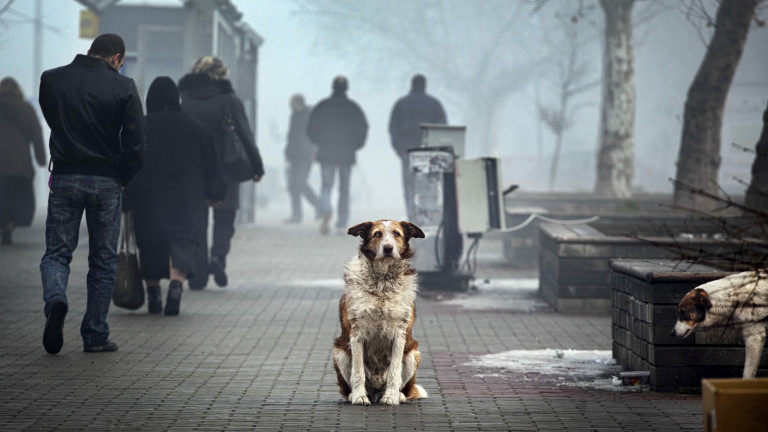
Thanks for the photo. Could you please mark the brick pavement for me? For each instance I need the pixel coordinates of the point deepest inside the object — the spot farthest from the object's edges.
(256, 355)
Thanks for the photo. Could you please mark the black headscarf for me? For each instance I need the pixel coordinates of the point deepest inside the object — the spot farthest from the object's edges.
(163, 95)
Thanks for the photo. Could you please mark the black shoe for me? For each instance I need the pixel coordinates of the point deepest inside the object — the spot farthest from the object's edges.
(154, 300)
(173, 301)
(198, 281)
(216, 268)
(107, 346)
(53, 335)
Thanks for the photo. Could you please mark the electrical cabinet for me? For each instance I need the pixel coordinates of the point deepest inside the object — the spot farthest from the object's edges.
(479, 195)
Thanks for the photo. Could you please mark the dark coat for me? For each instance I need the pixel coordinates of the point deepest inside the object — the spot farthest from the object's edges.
(339, 128)
(96, 119)
(209, 101)
(299, 148)
(181, 173)
(18, 128)
(406, 118)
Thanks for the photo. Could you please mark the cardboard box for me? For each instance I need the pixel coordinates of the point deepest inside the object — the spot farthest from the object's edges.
(734, 404)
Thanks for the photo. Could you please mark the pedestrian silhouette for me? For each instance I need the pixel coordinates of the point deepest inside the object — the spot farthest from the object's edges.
(170, 196)
(339, 128)
(19, 127)
(97, 147)
(408, 114)
(300, 154)
(207, 95)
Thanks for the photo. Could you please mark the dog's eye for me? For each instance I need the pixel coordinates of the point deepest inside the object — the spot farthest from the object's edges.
(377, 234)
(396, 233)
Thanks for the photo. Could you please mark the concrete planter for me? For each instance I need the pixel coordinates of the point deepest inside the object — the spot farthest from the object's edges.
(521, 247)
(645, 295)
(574, 260)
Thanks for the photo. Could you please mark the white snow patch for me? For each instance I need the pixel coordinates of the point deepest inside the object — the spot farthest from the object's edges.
(515, 284)
(551, 362)
(517, 295)
(593, 369)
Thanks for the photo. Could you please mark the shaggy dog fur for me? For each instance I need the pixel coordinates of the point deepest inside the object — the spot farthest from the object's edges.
(376, 357)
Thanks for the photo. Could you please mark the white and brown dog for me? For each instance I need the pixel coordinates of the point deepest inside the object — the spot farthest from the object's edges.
(739, 301)
(376, 357)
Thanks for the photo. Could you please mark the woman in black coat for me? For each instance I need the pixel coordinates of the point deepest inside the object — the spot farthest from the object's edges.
(171, 194)
(19, 128)
(208, 96)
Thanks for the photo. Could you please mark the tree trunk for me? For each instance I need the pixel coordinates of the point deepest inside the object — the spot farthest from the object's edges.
(757, 193)
(615, 157)
(698, 162)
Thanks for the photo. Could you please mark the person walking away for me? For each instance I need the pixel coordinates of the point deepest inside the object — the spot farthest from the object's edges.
(207, 95)
(405, 120)
(169, 197)
(339, 128)
(96, 147)
(19, 127)
(299, 153)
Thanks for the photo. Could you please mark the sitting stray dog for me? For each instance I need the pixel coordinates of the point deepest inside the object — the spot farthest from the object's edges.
(740, 301)
(375, 357)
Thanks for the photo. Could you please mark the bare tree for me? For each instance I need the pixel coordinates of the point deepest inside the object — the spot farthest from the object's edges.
(698, 161)
(615, 158)
(480, 51)
(757, 193)
(572, 78)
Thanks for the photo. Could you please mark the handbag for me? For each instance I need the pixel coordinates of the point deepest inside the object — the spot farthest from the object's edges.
(129, 288)
(235, 162)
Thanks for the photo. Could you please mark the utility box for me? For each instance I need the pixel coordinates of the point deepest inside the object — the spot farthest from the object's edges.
(430, 167)
(734, 404)
(440, 135)
(479, 195)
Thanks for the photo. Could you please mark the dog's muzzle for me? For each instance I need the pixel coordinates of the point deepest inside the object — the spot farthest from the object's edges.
(387, 249)
(681, 330)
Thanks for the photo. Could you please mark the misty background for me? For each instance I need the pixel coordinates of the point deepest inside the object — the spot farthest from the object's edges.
(303, 50)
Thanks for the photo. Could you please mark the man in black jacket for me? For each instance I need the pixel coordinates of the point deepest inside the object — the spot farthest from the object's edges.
(339, 128)
(96, 146)
(408, 114)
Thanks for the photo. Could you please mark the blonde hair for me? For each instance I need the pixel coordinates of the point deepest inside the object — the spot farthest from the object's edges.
(211, 66)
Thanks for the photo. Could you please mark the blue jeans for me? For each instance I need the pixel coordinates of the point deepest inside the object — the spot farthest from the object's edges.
(100, 198)
(327, 173)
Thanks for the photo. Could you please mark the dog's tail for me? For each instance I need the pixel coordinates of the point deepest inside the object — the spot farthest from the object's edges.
(418, 392)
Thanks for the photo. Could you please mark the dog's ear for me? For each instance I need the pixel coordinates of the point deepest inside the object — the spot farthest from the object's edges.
(411, 230)
(360, 230)
(702, 299)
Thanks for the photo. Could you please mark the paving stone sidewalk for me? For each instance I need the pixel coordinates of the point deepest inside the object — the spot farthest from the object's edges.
(256, 354)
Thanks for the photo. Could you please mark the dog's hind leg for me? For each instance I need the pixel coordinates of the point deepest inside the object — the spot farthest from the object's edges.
(343, 367)
(754, 341)
(410, 389)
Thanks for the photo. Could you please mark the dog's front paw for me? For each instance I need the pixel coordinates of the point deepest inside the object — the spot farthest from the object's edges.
(392, 398)
(359, 399)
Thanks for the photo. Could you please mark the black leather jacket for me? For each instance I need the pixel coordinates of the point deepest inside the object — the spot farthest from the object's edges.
(96, 119)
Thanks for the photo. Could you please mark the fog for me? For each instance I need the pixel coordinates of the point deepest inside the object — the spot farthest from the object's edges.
(668, 50)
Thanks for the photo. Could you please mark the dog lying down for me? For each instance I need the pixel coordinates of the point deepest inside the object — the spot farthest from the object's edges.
(739, 301)
(376, 357)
